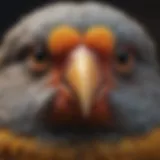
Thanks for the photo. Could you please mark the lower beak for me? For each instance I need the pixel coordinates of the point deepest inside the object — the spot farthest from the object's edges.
(82, 75)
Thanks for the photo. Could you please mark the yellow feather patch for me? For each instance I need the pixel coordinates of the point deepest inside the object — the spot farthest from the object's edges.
(62, 39)
(100, 39)
(138, 148)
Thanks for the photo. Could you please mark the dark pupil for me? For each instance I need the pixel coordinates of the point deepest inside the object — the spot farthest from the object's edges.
(123, 57)
(40, 55)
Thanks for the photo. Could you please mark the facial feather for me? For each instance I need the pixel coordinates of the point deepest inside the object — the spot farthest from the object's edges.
(25, 97)
(35, 26)
(22, 99)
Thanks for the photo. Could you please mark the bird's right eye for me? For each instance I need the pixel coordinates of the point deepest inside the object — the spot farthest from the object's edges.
(38, 61)
(123, 57)
(124, 61)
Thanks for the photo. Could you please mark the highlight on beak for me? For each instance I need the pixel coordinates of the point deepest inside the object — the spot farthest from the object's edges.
(82, 75)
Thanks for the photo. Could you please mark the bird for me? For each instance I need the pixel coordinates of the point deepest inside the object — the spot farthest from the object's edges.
(79, 80)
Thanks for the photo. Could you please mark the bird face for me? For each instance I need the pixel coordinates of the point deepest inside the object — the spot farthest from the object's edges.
(78, 77)
(78, 73)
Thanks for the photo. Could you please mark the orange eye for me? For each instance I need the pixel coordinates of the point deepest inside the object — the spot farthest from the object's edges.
(38, 62)
(62, 40)
(100, 39)
(124, 63)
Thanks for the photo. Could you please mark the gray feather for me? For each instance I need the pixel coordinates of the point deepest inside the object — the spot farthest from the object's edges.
(36, 26)
(21, 97)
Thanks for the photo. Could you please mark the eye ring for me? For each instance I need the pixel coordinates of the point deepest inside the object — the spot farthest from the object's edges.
(124, 61)
(38, 61)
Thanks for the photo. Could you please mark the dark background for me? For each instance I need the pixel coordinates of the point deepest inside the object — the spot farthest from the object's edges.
(147, 11)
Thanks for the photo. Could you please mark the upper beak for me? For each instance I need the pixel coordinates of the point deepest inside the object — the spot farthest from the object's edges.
(82, 75)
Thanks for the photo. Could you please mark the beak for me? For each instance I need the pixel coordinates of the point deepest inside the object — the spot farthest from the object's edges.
(82, 75)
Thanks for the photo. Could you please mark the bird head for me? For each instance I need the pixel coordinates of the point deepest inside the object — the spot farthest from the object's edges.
(79, 79)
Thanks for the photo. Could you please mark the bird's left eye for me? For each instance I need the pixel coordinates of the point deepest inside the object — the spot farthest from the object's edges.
(39, 56)
(38, 61)
(124, 61)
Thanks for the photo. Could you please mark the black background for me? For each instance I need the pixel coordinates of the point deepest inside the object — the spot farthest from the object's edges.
(146, 11)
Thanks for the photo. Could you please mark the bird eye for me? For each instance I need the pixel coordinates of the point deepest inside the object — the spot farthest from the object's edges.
(122, 57)
(124, 61)
(38, 61)
(39, 56)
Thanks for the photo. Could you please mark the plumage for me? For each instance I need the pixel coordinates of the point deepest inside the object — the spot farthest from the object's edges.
(79, 80)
